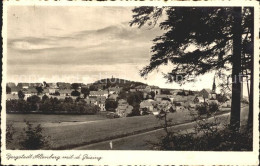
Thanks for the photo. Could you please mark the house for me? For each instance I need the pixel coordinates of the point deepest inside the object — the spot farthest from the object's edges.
(146, 104)
(154, 89)
(161, 97)
(91, 100)
(23, 85)
(114, 90)
(27, 94)
(46, 91)
(101, 101)
(32, 91)
(113, 97)
(140, 88)
(53, 85)
(12, 97)
(63, 85)
(198, 99)
(52, 90)
(14, 90)
(123, 109)
(65, 92)
(33, 85)
(99, 93)
(207, 93)
(10, 84)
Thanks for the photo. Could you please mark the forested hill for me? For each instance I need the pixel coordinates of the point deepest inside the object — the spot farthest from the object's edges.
(112, 82)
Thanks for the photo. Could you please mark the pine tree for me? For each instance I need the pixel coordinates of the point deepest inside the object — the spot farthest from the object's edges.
(221, 35)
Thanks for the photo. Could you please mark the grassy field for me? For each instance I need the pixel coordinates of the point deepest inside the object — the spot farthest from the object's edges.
(67, 131)
(41, 118)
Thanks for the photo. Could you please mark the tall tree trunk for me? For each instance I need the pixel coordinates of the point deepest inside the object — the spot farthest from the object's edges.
(251, 95)
(236, 69)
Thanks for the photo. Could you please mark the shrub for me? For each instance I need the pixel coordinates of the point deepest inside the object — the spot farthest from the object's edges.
(33, 138)
(208, 135)
(213, 107)
(9, 133)
(202, 109)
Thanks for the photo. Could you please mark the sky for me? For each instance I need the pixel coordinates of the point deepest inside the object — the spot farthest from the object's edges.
(82, 44)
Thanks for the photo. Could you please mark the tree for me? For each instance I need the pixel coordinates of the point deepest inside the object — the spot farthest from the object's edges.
(75, 86)
(44, 97)
(33, 138)
(75, 93)
(34, 102)
(39, 89)
(111, 105)
(56, 93)
(93, 88)
(8, 90)
(68, 100)
(214, 31)
(45, 84)
(85, 91)
(152, 93)
(20, 94)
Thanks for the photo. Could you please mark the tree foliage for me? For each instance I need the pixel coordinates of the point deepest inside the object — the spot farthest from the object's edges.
(21, 94)
(75, 86)
(8, 90)
(208, 29)
(111, 105)
(39, 89)
(85, 91)
(197, 40)
(33, 138)
(75, 93)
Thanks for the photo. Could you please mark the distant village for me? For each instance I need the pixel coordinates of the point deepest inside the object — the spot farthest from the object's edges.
(120, 99)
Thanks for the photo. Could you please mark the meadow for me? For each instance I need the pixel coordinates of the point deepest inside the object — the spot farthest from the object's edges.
(68, 131)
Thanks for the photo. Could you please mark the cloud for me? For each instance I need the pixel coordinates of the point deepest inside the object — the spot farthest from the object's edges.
(110, 45)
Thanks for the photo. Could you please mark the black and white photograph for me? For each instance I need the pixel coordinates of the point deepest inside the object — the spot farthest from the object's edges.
(129, 78)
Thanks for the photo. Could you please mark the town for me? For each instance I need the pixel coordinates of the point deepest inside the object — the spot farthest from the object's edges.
(116, 97)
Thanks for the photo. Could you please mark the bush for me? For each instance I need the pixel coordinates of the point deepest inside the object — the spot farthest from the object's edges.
(205, 109)
(9, 133)
(75, 93)
(213, 107)
(33, 138)
(202, 109)
(208, 135)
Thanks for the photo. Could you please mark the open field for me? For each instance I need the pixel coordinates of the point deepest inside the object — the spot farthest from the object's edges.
(65, 135)
(143, 141)
(42, 118)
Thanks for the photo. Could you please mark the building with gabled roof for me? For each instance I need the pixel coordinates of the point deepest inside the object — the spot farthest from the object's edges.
(14, 90)
(10, 84)
(12, 97)
(123, 109)
(65, 92)
(23, 85)
(114, 90)
(63, 85)
(99, 93)
(198, 99)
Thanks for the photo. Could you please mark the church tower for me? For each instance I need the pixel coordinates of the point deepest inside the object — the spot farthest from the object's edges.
(214, 86)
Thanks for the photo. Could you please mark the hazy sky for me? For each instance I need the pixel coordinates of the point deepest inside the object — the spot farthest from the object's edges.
(81, 44)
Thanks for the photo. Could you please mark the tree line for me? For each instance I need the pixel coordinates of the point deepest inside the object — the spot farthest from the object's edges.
(46, 105)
